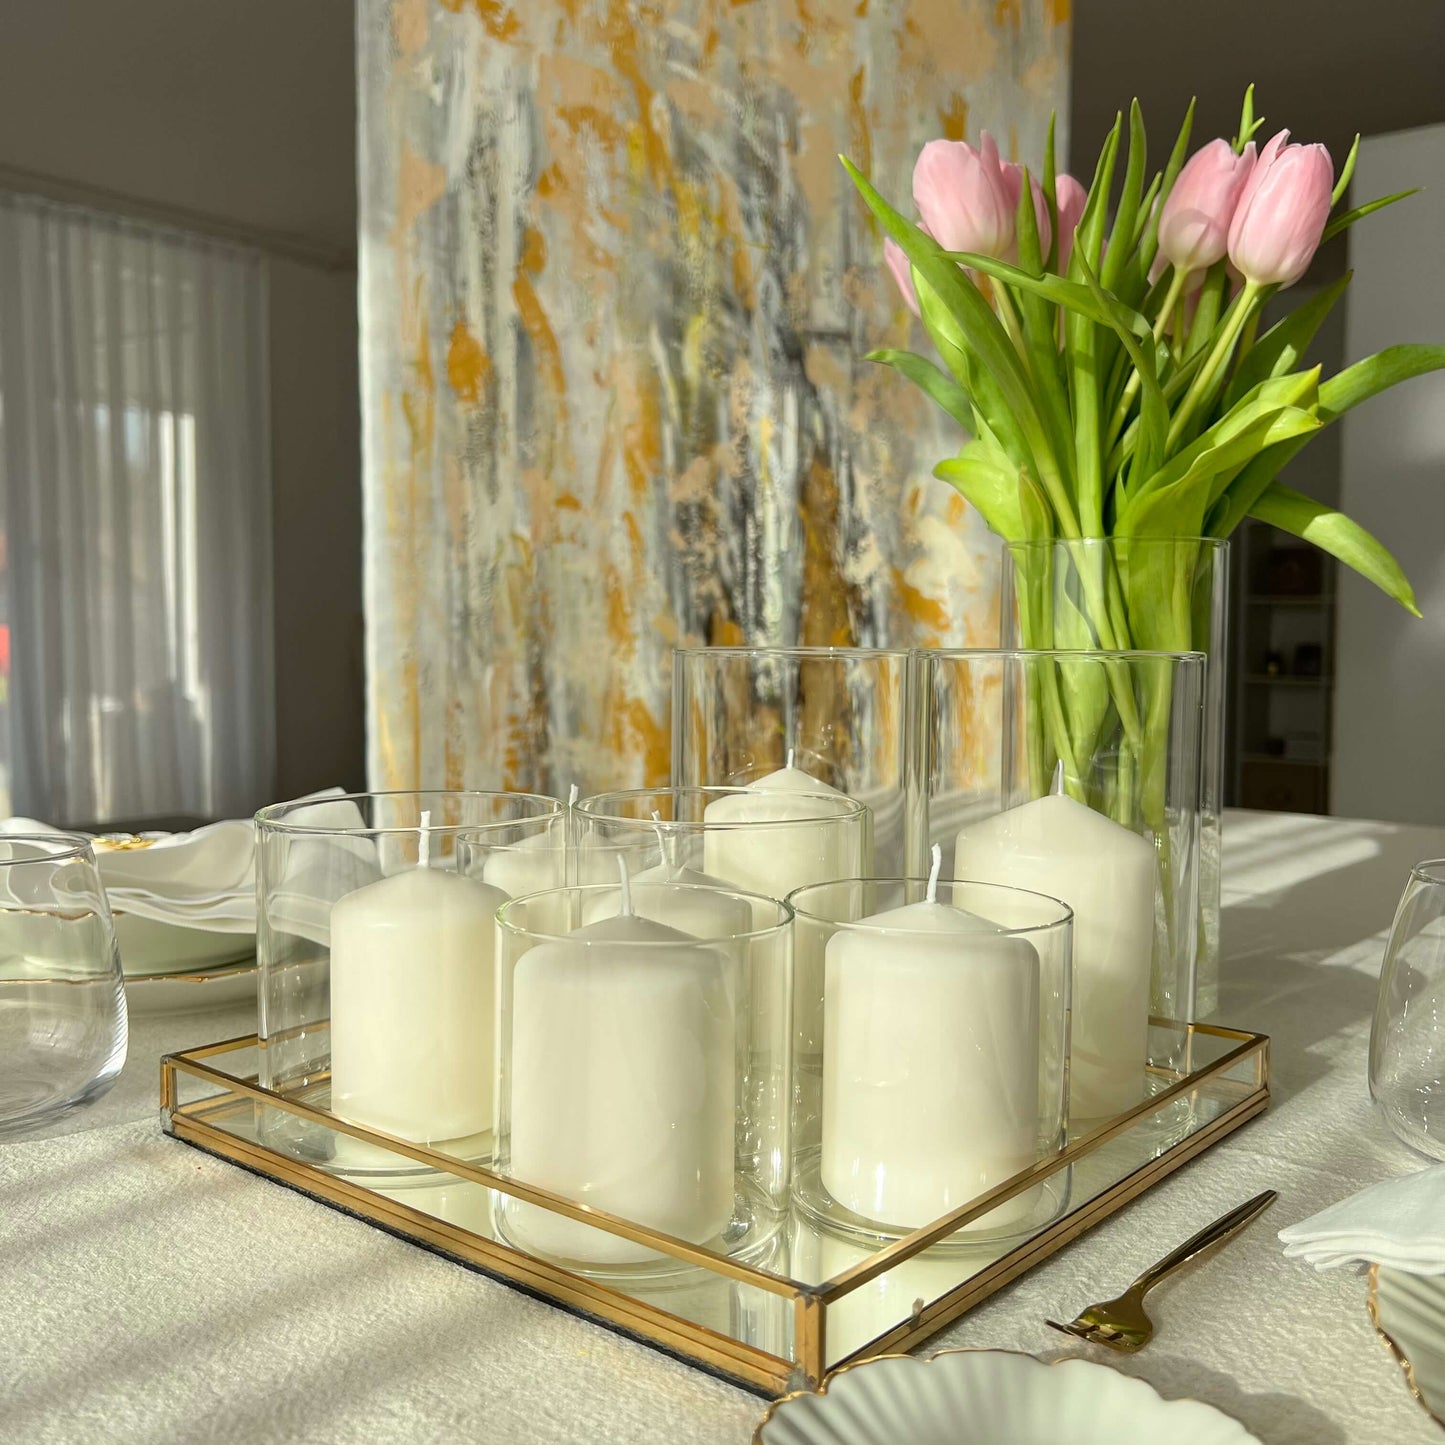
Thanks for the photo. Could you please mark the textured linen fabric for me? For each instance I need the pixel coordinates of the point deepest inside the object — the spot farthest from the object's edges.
(151, 1293)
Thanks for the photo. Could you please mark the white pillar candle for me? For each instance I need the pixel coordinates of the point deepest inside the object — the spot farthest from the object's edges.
(774, 861)
(622, 1090)
(1107, 875)
(770, 860)
(930, 1064)
(413, 995)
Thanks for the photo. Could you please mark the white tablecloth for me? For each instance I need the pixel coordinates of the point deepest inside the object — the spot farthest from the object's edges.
(151, 1293)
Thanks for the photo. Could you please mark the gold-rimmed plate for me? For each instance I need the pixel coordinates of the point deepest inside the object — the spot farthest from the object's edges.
(985, 1397)
(210, 988)
(1409, 1314)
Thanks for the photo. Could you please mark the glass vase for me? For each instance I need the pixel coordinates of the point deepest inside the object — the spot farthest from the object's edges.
(1167, 594)
(1076, 775)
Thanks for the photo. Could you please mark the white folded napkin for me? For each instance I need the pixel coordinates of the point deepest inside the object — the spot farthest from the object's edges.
(1399, 1223)
(204, 879)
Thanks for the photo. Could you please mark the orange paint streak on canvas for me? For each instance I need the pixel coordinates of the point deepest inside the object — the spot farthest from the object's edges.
(953, 118)
(468, 366)
(922, 609)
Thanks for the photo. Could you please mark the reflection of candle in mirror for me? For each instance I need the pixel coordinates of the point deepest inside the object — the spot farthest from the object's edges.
(622, 1088)
(413, 994)
(930, 1063)
(1107, 875)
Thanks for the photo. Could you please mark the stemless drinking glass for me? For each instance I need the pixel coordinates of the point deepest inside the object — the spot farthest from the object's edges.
(1407, 1041)
(62, 999)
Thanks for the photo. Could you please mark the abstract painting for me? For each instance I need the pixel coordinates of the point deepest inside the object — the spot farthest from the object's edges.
(615, 293)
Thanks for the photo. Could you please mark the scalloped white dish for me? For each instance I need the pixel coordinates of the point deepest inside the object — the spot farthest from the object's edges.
(986, 1397)
(1409, 1311)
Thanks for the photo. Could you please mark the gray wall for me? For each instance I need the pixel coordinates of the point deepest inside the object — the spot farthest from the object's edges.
(237, 119)
(1389, 757)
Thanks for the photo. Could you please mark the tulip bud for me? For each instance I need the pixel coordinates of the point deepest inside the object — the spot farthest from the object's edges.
(898, 264)
(961, 196)
(1194, 224)
(1013, 180)
(1071, 199)
(1282, 212)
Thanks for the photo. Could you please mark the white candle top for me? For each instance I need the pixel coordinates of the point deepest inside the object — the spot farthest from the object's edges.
(790, 780)
(927, 918)
(1057, 820)
(629, 928)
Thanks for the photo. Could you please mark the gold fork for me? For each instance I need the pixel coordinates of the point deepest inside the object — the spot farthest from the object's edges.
(1122, 1323)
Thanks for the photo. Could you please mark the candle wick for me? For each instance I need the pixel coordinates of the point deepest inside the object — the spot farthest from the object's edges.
(423, 846)
(791, 752)
(626, 880)
(668, 856)
(1056, 788)
(572, 794)
(934, 872)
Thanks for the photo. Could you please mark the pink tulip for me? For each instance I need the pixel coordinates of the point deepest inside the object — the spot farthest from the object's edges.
(1070, 198)
(961, 195)
(1282, 212)
(1194, 224)
(898, 264)
(1013, 180)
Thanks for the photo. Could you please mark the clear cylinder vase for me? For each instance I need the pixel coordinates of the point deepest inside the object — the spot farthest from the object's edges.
(1164, 594)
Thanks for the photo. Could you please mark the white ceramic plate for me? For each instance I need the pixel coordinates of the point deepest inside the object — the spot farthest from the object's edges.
(987, 1397)
(149, 947)
(1409, 1311)
(167, 993)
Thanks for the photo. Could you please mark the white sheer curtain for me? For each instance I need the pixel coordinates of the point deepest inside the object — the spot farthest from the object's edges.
(135, 499)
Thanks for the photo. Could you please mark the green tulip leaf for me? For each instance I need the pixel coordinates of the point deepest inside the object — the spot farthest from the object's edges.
(929, 379)
(1345, 389)
(1069, 294)
(1348, 219)
(1346, 171)
(1335, 533)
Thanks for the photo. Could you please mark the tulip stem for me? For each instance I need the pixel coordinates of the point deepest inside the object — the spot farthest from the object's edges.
(1131, 387)
(1207, 378)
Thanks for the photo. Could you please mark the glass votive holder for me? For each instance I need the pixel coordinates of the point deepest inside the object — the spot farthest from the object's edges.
(625, 1046)
(945, 1046)
(62, 998)
(376, 953)
(804, 717)
(765, 841)
(1407, 1037)
(1077, 775)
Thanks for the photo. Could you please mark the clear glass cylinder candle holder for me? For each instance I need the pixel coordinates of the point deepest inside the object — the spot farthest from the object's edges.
(759, 840)
(1077, 774)
(803, 717)
(1167, 594)
(62, 1000)
(945, 1045)
(376, 946)
(627, 1045)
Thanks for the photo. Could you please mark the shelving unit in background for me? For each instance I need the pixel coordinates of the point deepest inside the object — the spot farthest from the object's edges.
(1283, 656)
